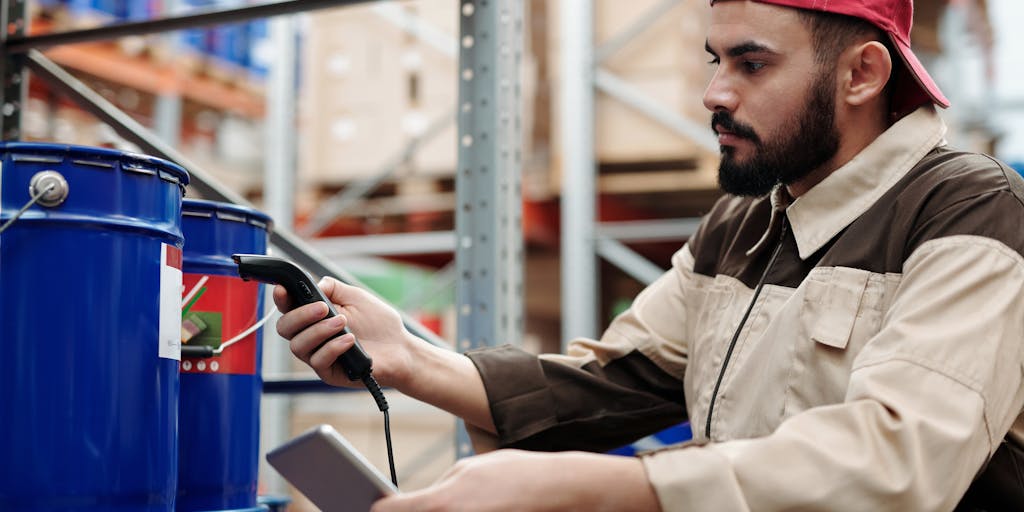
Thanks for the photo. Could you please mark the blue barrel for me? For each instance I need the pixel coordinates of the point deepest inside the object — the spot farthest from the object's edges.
(90, 306)
(220, 395)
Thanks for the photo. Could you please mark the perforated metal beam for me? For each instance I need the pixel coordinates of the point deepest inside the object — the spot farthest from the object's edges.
(489, 250)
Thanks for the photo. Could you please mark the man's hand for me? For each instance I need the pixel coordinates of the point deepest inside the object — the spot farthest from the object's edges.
(528, 481)
(378, 326)
(401, 360)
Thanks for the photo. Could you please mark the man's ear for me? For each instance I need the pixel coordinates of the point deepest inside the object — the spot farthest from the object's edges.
(866, 68)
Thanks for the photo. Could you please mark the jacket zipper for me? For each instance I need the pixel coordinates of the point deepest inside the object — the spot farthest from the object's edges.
(743, 321)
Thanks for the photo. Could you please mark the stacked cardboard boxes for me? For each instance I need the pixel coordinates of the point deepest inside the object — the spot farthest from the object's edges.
(665, 63)
(371, 86)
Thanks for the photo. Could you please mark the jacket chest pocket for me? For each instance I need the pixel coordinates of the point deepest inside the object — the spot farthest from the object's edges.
(707, 335)
(707, 306)
(841, 311)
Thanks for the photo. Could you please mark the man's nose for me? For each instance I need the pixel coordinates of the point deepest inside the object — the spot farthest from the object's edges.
(720, 95)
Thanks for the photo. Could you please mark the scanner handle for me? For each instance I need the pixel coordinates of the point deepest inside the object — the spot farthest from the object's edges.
(303, 290)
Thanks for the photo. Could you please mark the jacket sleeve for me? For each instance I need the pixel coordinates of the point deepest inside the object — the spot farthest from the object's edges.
(929, 399)
(602, 394)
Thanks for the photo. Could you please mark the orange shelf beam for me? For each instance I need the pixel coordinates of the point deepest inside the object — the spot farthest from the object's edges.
(105, 61)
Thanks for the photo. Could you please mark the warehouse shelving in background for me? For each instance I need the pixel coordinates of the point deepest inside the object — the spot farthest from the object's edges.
(508, 171)
(488, 95)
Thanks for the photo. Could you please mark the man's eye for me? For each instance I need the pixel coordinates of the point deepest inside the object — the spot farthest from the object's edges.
(753, 67)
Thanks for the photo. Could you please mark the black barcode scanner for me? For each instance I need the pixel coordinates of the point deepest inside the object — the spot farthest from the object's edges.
(303, 290)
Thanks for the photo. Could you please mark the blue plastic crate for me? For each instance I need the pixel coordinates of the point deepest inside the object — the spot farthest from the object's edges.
(230, 43)
(672, 435)
(1018, 166)
(140, 10)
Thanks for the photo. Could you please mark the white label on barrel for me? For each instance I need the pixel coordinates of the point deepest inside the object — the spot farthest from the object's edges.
(170, 302)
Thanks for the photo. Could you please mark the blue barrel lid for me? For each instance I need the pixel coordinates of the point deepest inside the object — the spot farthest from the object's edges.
(26, 150)
(226, 211)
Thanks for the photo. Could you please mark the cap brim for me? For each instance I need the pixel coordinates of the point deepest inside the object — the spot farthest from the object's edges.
(921, 77)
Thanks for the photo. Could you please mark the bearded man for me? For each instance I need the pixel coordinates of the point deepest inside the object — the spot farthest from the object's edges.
(843, 331)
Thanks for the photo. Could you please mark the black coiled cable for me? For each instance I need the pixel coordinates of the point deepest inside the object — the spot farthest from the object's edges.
(382, 404)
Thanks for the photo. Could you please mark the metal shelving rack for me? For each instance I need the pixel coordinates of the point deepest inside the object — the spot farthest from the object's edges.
(583, 238)
(487, 241)
(489, 244)
(488, 219)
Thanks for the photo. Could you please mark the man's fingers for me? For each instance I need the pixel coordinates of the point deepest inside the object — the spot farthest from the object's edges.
(281, 299)
(422, 500)
(438, 496)
(309, 339)
(299, 318)
(324, 357)
(328, 285)
(339, 292)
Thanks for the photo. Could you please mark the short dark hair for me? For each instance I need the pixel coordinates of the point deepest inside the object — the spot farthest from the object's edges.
(832, 33)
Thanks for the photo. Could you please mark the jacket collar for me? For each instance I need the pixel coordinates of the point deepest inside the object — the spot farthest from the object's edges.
(827, 208)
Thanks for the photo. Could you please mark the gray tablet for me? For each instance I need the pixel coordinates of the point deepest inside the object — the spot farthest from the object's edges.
(325, 467)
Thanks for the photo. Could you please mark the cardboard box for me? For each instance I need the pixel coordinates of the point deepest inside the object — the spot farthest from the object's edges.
(667, 64)
(372, 86)
(369, 88)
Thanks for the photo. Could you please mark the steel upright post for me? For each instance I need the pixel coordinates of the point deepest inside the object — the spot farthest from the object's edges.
(489, 245)
(14, 78)
(279, 187)
(579, 212)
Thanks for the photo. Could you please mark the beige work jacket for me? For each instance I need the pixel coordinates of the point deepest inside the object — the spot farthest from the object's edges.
(879, 368)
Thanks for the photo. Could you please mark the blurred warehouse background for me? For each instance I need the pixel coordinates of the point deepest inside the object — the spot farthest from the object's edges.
(374, 92)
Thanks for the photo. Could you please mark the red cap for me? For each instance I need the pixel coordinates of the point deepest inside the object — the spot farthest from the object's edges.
(894, 17)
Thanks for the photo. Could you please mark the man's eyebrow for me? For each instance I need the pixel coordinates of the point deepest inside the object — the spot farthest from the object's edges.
(748, 47)
(741, 49)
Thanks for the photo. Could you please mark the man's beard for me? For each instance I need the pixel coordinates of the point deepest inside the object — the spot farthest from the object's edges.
(797, 149)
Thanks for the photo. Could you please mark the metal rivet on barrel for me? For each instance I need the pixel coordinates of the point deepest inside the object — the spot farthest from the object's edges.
(52, 186)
